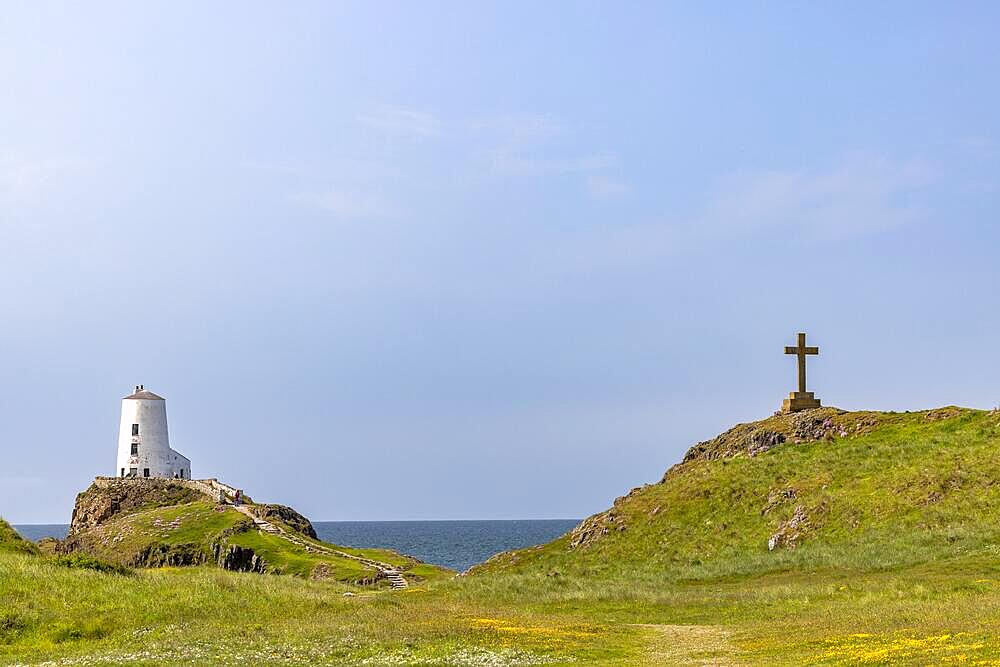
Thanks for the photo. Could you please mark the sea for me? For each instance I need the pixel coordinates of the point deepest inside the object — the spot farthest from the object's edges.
(454, 544)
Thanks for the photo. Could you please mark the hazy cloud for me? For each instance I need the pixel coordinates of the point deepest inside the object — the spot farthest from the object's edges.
(24, 180)
(505, 161)
(343, 203)
(519, 128)
(604, 187)
(861, 194)
(402, 121)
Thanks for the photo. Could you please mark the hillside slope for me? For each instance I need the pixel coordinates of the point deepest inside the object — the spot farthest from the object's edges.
(11, 541)
(818, 489)
(154, 523)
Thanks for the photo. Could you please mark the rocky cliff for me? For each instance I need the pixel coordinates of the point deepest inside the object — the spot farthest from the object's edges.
(101, 503)
(286, 515)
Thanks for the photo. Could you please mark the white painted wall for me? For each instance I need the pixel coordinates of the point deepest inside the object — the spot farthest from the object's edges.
(153, 442)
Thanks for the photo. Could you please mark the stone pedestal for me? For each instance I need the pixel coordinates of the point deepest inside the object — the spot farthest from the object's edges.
(799, 400)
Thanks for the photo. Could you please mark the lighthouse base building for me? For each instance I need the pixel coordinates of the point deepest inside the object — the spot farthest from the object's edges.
(143, 445)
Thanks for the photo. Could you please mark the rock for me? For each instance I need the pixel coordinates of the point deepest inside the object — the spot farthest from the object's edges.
(943, 413)
(779, 497)
(807, 426)
(760, 441)
(790, 531)
(239, 559)
(596, 527)
(99, 504)
(168, 555)
(287, 516)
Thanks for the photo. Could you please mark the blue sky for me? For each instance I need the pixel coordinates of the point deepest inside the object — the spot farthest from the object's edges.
(474, 260)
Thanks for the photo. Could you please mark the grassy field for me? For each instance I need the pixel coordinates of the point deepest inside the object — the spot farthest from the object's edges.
(202, 615)
(885, 531)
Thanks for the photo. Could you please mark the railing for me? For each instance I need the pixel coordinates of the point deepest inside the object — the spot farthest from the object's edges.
(209, 487)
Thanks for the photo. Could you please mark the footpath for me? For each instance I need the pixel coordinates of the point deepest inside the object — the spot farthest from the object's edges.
(212, 489)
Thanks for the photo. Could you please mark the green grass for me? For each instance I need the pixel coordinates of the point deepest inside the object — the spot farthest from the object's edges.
(381, 555)
(191, 533)
(898, 562)
(84, 562)
(204, 615)
(909, 492)
(11, 541)
(283, 558)
(187, 530)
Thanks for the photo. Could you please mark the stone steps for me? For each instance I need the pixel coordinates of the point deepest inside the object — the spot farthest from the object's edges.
(396, 580)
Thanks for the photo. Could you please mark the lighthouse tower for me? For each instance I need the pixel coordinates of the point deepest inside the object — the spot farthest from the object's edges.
(143, 446)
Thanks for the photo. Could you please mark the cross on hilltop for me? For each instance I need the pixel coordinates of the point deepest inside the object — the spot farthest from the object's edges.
(801, 399)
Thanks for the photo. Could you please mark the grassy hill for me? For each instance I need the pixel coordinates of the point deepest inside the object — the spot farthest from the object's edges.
(12, 542)
(822, 538)
(823, 488)
(156, 523)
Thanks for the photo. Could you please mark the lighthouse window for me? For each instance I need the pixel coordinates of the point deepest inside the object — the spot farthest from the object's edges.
(135, 429)
(145, 472)
(135, 449)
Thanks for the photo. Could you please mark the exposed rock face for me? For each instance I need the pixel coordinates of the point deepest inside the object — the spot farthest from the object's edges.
(760, 441)
(778, 498)
(789, 531)
(758, 437)
(239, 559)
(98, 505)
(169, 555)
(288, 516)
(596, 527)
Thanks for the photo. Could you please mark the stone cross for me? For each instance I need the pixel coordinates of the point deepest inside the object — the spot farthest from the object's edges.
(801, 399)
(801, 351)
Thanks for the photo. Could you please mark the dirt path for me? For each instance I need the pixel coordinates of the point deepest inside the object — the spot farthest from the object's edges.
(392, 574)
(212, 488)
(690, 645)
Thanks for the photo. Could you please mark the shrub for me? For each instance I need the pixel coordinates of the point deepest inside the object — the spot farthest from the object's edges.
(84, 562)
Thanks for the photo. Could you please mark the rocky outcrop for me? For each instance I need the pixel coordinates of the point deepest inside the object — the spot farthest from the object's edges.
(287, 516)
(789, 531)
(777, 498)
(237, 558)
(101, 503)
(758, 437)
(803, 523)
(595, 528)
(169, 555)
(148, 523)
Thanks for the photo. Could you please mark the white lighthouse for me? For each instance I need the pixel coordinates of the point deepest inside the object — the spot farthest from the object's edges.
(143, 446)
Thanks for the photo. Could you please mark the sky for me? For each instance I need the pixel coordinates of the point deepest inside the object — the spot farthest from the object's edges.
(481, 260)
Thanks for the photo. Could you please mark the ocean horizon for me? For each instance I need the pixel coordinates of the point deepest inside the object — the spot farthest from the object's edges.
(453, 543)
